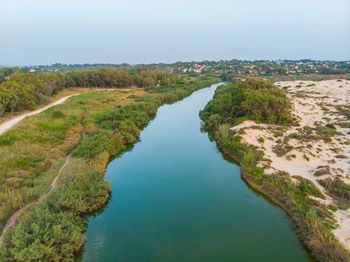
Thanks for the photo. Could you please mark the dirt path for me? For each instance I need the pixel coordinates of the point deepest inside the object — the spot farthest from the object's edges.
(5, 126)
(12, 220)
(10, 123)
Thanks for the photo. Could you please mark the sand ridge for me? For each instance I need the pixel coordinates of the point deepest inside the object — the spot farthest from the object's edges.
(304, 150)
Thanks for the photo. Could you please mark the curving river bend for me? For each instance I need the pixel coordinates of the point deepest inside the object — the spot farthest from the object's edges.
(176, 198)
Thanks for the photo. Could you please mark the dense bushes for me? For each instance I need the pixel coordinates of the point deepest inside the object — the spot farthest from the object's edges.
(81, 188)
(44, 235)
(15, 96)
(119, 127)
(250, 99)
(110, 77)
(100, 142)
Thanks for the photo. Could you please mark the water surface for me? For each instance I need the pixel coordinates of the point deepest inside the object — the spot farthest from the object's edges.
(175, 198)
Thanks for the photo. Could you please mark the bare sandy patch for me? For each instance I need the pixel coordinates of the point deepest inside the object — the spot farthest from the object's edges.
(319, 147)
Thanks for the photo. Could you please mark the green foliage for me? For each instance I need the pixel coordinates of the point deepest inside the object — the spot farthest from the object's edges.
(282, 149)
(18, 162)
(331, 126)
(337, 189)
(307, 187)
(111, 77)
(326, 132)
(261, 140)
(322, 170)
(103, 141)
(333, 208)
(344, 124)
(58, 114)
(16, 96)
(180, 90)
(52, 126)
(250, 99)
(81, 188)
(44, 235)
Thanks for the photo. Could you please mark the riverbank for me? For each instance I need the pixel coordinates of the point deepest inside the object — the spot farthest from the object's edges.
(317, 149)
(177, 198)
(297, 195)
(95, 127)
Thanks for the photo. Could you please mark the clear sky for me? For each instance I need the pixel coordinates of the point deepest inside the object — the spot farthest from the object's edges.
(145, 31)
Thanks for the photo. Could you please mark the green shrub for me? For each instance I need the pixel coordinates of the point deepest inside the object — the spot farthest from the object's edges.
(18, 162)
(322, 170)
(261, 140)
(52, 126)
(250, 99)
(330, 126)
(104, 141)
(309, 188)
(44, 235)
(58, 114)
(333, 208)
(338, 190)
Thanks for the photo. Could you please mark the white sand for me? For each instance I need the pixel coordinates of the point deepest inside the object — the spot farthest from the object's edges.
(313, 101)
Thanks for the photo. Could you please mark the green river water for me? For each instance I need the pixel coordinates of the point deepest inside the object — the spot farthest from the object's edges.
(176, 198)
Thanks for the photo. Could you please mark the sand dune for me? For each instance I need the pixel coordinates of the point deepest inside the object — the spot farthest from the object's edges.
(314, 104)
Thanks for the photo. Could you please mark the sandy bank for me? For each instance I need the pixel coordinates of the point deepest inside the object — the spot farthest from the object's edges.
(301, 150)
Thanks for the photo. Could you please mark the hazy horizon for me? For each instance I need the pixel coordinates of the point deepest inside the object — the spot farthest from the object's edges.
(42, 32)
(171, 62)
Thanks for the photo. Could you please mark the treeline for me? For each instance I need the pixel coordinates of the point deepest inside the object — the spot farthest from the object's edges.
(52, 230)
(20, 91)
(249, 99)
(118, 78)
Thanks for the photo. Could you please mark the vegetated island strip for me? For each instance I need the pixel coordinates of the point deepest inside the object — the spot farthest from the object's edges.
(94, 127)
(261, 140)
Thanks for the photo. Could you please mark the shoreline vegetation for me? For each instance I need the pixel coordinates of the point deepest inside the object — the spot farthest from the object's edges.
(95, 127)
(263, 102)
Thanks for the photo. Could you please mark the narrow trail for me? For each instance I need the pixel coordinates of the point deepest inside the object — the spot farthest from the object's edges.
(5, 126)
(13, 121)
(11, 222)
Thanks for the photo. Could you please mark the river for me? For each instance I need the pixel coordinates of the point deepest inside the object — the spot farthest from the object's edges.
(176, 198)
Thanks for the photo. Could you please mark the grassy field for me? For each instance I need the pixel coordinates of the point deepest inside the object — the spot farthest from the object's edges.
(62, 93)
(32, 152)
(95, 127)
